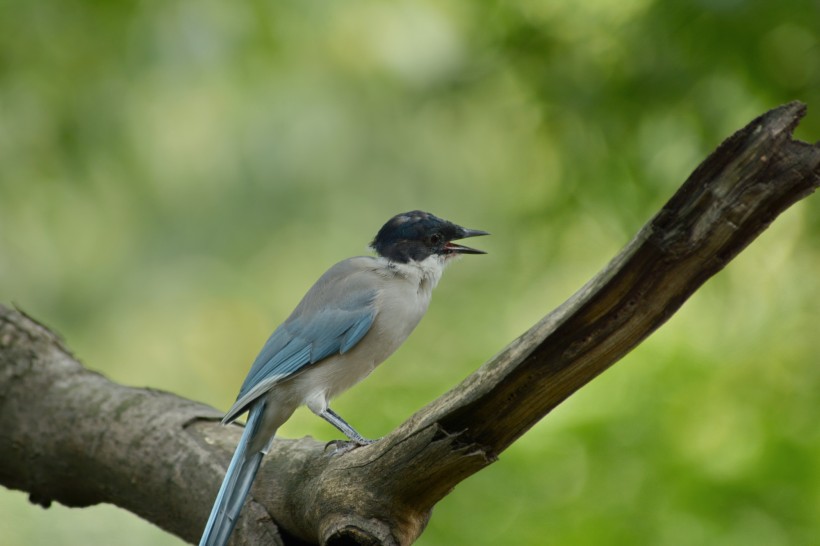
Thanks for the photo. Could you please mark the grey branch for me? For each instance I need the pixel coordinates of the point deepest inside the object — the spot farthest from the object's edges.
(70, 435)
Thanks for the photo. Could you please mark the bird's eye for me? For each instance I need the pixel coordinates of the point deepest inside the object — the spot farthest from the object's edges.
(435, 239)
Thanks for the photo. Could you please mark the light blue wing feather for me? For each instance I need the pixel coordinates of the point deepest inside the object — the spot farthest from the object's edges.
(335, 314)
(356, 332)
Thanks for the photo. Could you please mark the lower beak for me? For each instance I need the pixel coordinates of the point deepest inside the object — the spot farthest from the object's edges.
(461, 249)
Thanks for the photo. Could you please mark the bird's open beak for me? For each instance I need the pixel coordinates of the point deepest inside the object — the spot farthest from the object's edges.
(461, 249)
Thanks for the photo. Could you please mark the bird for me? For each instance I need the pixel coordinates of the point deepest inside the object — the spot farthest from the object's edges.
(350, 321)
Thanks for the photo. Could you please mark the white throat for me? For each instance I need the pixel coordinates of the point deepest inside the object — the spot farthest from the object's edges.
(425, 273)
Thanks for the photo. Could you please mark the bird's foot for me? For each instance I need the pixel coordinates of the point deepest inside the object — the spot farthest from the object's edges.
(340, 447)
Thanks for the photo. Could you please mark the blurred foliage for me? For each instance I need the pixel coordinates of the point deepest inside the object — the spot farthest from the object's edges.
(174, 175)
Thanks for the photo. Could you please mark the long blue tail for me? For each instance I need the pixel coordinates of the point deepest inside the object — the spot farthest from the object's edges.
(236, 485)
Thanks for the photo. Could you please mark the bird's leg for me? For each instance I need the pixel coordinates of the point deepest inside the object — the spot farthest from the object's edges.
(333, 418)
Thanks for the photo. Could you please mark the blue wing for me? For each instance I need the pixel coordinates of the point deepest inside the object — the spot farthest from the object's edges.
(332, 318)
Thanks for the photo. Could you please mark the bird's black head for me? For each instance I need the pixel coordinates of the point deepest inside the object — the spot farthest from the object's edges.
(417, 235)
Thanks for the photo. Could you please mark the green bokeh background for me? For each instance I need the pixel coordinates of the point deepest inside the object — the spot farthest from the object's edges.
(174, 175)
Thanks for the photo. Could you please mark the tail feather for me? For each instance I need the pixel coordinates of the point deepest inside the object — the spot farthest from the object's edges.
(236, 485)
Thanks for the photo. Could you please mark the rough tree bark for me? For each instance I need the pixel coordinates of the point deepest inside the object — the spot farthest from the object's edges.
(70, 435)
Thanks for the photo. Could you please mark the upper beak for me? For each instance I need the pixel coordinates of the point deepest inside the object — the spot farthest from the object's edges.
(461, 249)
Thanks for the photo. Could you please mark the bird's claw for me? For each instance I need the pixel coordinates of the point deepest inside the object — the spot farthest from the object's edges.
(343, 446)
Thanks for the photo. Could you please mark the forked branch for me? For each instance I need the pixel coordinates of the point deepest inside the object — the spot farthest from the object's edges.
(71, 435)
